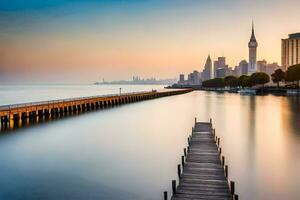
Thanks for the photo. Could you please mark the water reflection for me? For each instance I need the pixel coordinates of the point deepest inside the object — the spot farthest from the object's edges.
(132, 151)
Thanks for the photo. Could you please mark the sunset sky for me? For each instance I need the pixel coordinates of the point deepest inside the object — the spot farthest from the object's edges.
(76, 41)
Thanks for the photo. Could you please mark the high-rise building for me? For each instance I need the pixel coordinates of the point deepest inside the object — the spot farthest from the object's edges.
(207, 71)
(262, 66)
(181, 78)
(243, 67)
(290, 50)
(252, 67)
(271, 67)
(220, 63)
(267, 68)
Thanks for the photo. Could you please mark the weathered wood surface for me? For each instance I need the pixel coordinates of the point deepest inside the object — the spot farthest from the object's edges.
(203, 174)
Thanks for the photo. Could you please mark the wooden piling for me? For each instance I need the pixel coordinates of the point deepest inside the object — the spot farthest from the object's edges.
(232, 189)
(174, 187)
(179, 171)
(226, 171)
(223, 161)
(165, 195)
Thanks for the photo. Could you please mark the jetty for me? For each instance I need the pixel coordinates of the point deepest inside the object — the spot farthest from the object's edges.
(202, 173)
(16, 115)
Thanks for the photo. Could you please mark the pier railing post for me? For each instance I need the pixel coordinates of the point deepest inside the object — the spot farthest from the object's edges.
(223, 161)
(220, 151)
(232, 187)
(226, 171)
(165, 195)
(236, 197)
(210, 121)
(179, 171)
(184, 151)
(174, 187)
(195, 120)
(182, 161)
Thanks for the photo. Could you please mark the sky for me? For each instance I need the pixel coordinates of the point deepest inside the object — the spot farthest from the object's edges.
(77, 41)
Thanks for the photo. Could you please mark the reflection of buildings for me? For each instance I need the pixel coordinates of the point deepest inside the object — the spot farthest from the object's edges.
(290, 50)
(252, 53)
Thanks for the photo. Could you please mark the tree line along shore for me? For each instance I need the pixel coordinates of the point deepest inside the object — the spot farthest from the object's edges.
(289, 79)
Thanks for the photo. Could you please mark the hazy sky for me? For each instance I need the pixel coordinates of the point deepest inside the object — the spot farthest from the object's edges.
(84, 41)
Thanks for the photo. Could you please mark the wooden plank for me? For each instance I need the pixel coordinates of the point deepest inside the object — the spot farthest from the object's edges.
(203, 175)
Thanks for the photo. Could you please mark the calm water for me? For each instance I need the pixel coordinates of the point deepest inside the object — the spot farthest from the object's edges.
(131, 152)
(30, 93)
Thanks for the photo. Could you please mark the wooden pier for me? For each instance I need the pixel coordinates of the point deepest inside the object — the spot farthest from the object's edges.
(202, 173)
(17, 115)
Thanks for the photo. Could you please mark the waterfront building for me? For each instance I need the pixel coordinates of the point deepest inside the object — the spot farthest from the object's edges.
(262, 66)
(242, 68)
(235, 71)
(181, 78)
(271, 67)
(290, 51)
(220, 63)
(194, 78)
(267, 68)
(252, 67)
(221, 72)
(207, 71)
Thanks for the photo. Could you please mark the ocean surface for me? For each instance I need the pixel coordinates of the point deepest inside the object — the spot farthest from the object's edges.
(131, 152)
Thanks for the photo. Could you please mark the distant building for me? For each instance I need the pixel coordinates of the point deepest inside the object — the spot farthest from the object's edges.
(267, 68)
(290, 50)
(181, 78)
(207, 71)
(262, 66)
(194, 78)
(221, 72)
(243, 67)
(271, 67)
(252, 67)
(220, 63)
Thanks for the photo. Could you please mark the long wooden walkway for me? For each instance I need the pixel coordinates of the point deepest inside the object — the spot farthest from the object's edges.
(17, 115)
(204, 174)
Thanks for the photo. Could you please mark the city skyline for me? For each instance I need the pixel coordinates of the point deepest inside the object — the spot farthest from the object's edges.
(60, 41)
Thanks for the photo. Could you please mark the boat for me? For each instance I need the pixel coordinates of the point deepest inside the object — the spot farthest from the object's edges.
(247, 91)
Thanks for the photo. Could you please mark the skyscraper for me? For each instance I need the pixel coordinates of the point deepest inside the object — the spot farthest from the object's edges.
(252, 67)
(207, 71)
(220, 63)
(290, 50)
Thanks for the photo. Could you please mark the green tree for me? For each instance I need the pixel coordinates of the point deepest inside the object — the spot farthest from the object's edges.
(214, 83)
(244, 81)
(293, 74)
(259, 78)
(278, 76)
(231, 81)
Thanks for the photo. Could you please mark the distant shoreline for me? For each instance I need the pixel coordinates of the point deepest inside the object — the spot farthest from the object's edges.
(131, 83)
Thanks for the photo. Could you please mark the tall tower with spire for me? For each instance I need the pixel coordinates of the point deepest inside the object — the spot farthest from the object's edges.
(252, 44)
